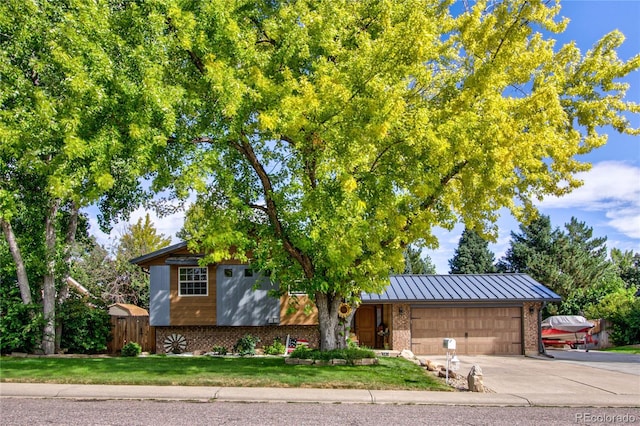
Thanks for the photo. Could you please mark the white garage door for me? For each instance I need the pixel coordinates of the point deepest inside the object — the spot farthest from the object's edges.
(478, 331)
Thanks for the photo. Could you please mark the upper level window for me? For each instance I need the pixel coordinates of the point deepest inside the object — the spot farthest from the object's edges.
(192, 281)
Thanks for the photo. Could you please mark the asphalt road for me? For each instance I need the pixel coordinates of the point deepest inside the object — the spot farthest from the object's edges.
(15, 411)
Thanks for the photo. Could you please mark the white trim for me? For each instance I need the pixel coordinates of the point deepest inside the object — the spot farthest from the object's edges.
(206, 277)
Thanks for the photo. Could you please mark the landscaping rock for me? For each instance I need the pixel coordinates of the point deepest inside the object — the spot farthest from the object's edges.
(339, 361)
(406, 353)
(198, 352)
(443, 373)
(305, 362)
(431, 366)
(291, 361)
(474, 379)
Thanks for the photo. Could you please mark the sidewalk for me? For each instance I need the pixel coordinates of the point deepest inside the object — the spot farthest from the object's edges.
(330, 396)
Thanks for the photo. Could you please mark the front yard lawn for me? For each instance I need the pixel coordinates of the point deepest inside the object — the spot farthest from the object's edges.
(390, 373)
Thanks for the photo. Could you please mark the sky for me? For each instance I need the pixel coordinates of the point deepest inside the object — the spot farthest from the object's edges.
(609, 200)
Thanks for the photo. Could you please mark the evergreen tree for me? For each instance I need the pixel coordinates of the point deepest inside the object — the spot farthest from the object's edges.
(472, 255)
(572, 262)
(415, 263)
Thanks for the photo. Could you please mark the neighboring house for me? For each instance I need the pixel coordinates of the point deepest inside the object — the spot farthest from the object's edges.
(202, 307)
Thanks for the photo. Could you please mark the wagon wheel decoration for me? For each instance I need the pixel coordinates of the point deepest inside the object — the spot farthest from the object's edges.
(344, 310)
(175, 344)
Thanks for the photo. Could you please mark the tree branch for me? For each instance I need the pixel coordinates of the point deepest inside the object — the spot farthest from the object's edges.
(244, 147)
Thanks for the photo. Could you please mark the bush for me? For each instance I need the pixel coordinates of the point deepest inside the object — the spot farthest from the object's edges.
(348, 354)
(219, 350)
(246, 345)
(131, 349)
(276, 349)
(85, 329)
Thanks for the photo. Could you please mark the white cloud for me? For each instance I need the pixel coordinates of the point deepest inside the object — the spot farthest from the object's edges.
(611, 188)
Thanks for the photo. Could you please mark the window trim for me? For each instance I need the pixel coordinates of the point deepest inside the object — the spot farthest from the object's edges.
(206, 281)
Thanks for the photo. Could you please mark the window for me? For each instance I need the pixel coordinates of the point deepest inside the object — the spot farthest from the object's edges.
(248, 272)
(228, 273)
(192, 281)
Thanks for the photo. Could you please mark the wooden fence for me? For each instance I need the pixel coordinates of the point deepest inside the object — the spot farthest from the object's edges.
(125, 329)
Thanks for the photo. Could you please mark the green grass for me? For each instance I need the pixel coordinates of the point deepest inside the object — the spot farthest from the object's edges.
(390, 373)
(633, 349)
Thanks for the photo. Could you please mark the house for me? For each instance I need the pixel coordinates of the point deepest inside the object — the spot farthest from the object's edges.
(201, 307)
(196, 307)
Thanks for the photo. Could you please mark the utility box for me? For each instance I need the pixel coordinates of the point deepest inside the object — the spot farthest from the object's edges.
(449, 344)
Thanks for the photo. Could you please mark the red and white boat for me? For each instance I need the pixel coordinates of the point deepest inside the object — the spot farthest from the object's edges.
(572, 330)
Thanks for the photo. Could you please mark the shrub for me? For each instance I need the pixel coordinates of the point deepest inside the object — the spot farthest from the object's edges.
(131, 349)
(276, 349)
(85, 329)
(348, 354)
(219, 350)
(246, 345)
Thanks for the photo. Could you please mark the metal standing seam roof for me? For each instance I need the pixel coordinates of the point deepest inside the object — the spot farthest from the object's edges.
(462, 288)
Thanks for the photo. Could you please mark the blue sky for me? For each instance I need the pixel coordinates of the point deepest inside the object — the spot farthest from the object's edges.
(609, 200)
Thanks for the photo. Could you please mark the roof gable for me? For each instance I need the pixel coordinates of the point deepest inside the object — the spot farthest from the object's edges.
(462, 288)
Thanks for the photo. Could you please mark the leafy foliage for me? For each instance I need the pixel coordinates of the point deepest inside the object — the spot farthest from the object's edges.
(219, 350)
(622, 309)
(20, 324)
(246, 345)
(131, 349)
(86, 328)
(331, 135)
(277, 348)
(472, 256)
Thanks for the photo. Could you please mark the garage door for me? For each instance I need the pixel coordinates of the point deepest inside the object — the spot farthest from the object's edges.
(478, 331)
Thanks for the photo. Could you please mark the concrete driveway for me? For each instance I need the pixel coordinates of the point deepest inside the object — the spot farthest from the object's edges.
(568, 372)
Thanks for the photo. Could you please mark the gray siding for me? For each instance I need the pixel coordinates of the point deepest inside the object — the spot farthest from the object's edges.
(159, 291)
(238, 303)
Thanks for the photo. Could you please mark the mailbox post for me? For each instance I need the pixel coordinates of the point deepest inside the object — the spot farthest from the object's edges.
(450, 345)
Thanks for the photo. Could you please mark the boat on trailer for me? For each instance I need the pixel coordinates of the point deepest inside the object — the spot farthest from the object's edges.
(571, 330)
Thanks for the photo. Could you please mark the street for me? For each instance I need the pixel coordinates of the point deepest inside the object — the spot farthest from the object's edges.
(35, 411)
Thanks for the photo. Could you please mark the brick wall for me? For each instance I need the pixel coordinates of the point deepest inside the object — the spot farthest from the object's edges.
(400, 327)
(530, 327)
(206, 337)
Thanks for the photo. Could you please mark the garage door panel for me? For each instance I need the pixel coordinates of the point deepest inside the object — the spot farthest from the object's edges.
(490, 331)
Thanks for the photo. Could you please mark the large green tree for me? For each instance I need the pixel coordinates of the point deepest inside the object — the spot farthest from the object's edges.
(81, 119)
(472, 256)
(324, 137)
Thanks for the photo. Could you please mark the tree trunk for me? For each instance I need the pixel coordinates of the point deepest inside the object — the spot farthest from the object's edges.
(49, 285)
(21, 271)
(329, 322)
(70, 240)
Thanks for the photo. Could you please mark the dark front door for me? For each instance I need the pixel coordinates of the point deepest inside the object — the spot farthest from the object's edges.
(366, 325)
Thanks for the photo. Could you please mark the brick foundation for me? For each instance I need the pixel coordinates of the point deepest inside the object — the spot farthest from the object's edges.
(206, 337)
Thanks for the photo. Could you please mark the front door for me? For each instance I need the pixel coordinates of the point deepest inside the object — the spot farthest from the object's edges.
(366, 325)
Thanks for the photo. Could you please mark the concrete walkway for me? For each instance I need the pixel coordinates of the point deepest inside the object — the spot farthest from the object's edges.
(514, 381)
